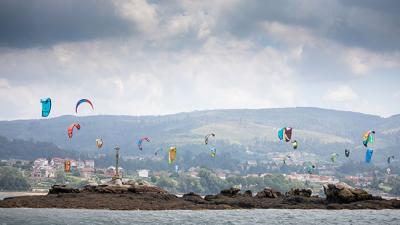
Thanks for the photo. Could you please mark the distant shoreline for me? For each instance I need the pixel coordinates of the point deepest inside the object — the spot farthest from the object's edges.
(7, 194)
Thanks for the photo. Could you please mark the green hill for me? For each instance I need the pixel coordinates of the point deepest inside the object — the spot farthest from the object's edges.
(318, 131)
(29, 150)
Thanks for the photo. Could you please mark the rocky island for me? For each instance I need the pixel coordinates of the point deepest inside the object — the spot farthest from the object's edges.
(134, 196)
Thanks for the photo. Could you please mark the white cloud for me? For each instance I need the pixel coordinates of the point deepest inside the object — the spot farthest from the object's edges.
(224, 73)
(341, 93)
(296, 35)
(4, 84)
(181, 58)
(397, 94)
(362, 61)
(143, 14)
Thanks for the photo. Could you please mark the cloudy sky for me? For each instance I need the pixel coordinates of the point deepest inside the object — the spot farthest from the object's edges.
(141, 57)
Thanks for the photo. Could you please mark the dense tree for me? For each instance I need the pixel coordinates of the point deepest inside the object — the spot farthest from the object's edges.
(12, 180)
(209, 183)
(30, 150)
(60, 177)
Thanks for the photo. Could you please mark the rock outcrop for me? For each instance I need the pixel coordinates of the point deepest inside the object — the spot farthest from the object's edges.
(146, 189)
(193, 197)
(299, 192)
(59, 189)
(340, 193)
(109, 189)
(268, 193)
(248, 193)
(230, 192)
(135, 196)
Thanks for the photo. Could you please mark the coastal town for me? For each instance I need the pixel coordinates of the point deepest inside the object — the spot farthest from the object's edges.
(42, 173)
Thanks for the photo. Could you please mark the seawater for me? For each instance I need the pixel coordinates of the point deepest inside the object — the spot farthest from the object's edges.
(258, 216)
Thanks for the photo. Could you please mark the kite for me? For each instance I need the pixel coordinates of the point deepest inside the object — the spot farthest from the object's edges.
(99, 143)
(207, 137)
(46, 106)
(368, 137)
(67, 166)
(295, 144)
(286, 158)
(172, 155)
(140, 141)
(213, 152)
(285, 134)
(71, 129)
(390, 158)
(347, 153)
(158, 150)
(82, 101)
(368, 155)
(310, 168)
(334, 157)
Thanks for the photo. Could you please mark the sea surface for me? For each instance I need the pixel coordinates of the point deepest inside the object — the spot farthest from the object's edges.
(176, 217)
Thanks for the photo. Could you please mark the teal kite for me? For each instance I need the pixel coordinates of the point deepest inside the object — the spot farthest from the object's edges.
(368, 155)
(285, 134)
(368, 137)
(46, 106)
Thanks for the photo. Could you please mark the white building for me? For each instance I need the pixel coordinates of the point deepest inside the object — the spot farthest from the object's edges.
(81, 164)
(42, 169)
(221, 175)
(57, 163)
(89, 163)
(41, 162)
(143, 173)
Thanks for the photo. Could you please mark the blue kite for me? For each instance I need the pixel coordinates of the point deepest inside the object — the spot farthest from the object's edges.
(46, 106)
(368, 155)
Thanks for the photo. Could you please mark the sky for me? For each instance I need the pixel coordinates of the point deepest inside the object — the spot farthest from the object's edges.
(151, 57)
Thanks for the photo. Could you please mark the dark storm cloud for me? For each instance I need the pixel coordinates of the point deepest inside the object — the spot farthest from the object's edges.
(28, 23)
(372, 25)
(369, 24)
(385, 6)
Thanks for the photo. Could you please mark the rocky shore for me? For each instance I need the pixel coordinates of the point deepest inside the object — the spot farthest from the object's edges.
(145, 197)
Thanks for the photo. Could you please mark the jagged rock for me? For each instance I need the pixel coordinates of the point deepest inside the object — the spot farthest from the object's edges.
(193, 197)
(136, 183)
(122, 198)
(90, 188)
(145, 183)
(248, 193)
(111, 189)
(230, 192)
(117, 182)
(209, 197)
(191, 194)
(120, 189)
(396, 204)
(58, 189)
(130, 182)
(339, 193)
(299, 192)
(268, 193)
(146, 189)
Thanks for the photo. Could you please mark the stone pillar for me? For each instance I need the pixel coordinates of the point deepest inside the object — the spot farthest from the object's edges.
(116, 162)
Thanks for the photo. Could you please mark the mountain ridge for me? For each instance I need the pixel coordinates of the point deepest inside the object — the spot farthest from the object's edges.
(316, 129)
